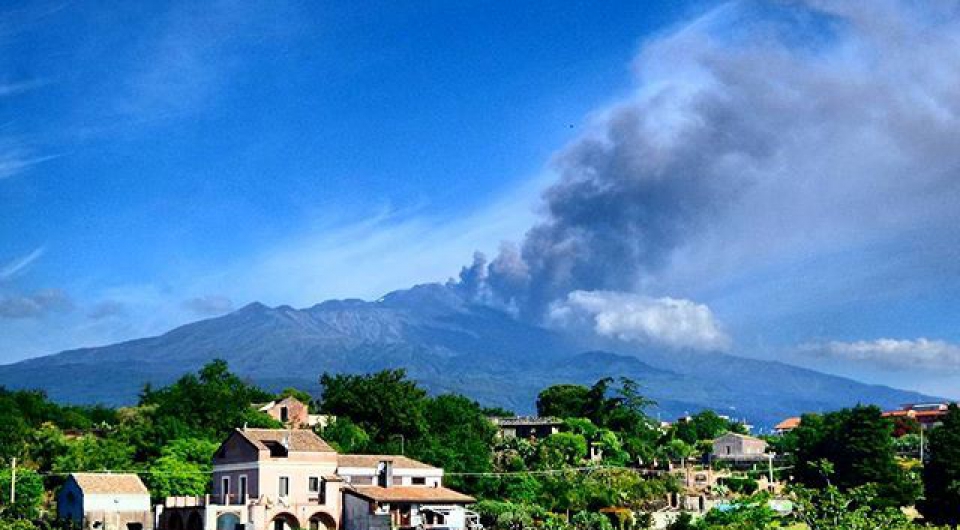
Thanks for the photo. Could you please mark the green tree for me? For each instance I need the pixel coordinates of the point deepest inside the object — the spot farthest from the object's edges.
(829, 508)
(207, 405)
(459, 437)
(941, 475)
(563, 401)
(346, 436)
(29, 494)
(385, 404)
(562, 449)
(91, 453)
(858, 443)
(170, 476)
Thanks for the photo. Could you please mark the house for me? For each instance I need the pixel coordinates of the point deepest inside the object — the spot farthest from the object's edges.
(293, 413)
(527, 426)
(787, 425)
(281, 479)
(739, 447)
(105, 501)
(928, 415)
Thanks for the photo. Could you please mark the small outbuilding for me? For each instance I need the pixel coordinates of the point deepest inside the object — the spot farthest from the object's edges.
(105, 501)
(732, 446)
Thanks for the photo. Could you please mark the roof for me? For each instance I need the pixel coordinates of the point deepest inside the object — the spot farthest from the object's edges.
(125, 483)
(740, 436)
(373, 461)
(917, 414)
(788, 424)
(411, 494)
(527, 420)
(300, 440)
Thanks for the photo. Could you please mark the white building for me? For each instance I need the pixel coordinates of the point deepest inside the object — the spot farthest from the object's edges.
(105, 501)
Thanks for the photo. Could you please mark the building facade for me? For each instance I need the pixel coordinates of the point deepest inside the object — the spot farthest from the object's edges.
(105, 501)
(527, 426)
(280, 479)
(732, 446)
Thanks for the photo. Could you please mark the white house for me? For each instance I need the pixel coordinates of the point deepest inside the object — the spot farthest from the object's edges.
(105, 501)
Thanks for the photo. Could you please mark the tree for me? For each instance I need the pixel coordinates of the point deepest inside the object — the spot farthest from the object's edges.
(941, 476)
(562, 449)
(346, 436)
(206, 405)
(29, 494)
(563, 401)
(829, 508)
(169, 476)
(91, 453)
(385, 404)
(459, 437)
(858, 443)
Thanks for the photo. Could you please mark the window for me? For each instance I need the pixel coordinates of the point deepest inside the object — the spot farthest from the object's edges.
(418, 481)
(284, 414)
(225, 487)
(242, 490)
(314, 484)
(284, 486)
(323, 492)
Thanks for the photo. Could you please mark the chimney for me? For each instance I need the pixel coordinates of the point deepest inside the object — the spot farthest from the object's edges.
(385, 473)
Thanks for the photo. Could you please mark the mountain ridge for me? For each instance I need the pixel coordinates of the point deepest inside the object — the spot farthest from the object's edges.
(448, 344)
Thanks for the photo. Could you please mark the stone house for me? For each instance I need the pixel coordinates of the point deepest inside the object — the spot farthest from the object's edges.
(105, 501)
(732, 446)
(293, 413)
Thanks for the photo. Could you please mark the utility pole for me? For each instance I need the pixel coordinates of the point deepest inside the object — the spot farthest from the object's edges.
(13, 481)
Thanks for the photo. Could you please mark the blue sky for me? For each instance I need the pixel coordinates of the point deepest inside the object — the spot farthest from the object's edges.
(163, 163)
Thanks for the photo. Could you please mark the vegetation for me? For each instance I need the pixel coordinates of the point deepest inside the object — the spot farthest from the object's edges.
(846, 467)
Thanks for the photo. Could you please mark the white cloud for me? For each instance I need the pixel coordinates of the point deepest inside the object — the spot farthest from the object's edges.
(894, 354)
(670, 322)
(20, 264)
(15, 159)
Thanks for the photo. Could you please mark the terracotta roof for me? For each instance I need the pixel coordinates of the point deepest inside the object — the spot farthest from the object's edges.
(300, 440)
(411, 494)
(127, 483)
(372, 461)
(788, 424)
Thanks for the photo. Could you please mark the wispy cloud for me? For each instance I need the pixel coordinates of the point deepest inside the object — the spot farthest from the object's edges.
(35, 305)
(209, 305)
(20, 264)
(14, 88)
(936, 356)
(15, 159)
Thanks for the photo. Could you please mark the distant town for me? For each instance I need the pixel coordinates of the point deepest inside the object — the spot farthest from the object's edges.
(376, 452)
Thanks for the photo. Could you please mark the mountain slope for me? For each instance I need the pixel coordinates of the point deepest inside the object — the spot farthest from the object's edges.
(444, 342)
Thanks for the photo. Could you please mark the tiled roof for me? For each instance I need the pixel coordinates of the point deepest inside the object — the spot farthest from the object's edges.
(127, 483)
(372, 461)
(740, 436)
(300, 440)
(787, 424)
(411, 494)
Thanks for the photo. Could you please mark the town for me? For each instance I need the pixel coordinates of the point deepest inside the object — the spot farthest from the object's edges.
(592, 460)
